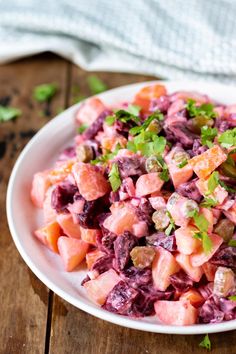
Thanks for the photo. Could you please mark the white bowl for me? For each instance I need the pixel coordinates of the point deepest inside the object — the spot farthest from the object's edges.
(23, 218)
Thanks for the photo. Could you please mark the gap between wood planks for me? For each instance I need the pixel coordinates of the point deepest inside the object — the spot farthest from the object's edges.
(51, 293)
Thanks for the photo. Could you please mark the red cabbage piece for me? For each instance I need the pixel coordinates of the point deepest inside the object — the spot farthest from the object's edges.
(225, 257)
(103, 263)
(181, 281)
(122, 247)
(160, 239)
(190, 190)
(62, 195)
(131, 166)
(96, 126)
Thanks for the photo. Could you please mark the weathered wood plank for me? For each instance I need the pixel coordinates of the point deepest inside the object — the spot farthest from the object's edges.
(23, 298)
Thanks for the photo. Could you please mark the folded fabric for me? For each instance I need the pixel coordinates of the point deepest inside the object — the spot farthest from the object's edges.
(175, 39)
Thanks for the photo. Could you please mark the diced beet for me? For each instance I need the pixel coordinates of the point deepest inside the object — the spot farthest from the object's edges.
(181, 281)
(210, 312)
(62, 195)
(122, 247)
(160, 239)
(96, 126)
(68, 153)
(102, 264)
(190, 190)
(178, 132)
(161, 104)
(137, 277)
(130, 166)
(145, 211)
(197, 148)
(225, 257)
(105, 241)
(120, 299)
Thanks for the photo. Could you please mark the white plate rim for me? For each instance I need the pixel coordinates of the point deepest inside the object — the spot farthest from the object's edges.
(79, 303)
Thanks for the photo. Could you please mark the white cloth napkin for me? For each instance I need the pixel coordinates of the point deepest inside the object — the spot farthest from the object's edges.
(175, 39)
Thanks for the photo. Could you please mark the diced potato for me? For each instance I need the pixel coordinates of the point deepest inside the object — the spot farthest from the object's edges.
(72, 251)
(178, 313)
(195, 273)
(68, 226)
(185, 241)
(49, 235)
(199, 258)
(194, 297)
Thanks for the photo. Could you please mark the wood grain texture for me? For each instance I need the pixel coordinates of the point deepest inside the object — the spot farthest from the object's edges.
(23, 298)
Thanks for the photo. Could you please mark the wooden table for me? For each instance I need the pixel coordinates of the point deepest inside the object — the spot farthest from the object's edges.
(33, 319)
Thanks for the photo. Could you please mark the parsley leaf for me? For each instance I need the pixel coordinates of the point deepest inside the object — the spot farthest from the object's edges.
(209, 202)
(227, 188)
(183, 163)
(171, 226)
(228, 138)
(8, 113)
(106, 157)
(208, 135)
(137, 130)
(232, 298)
(82, 128)
(232, 243)
(206, 343)
(44, 92)
(110, 120)
(205, 110)
(134, 109)
(96, 85)
(213, 182)
(114, 177)
(202, 224)
(125, 116)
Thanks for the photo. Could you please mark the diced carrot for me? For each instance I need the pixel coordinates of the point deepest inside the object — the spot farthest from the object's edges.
(148, 183)
(89, 111)
(92, 256)
(68, 226)
(109, 143)
(205, 163)
(90, 235)
(178, 313)
(163, 266)
(72, 251)
(40, 185)
(49, 235)
(209, 270)
(194, 297)
(185, 241)
(195, 273)
(61, 171)
(99, 288)
(146, 94)
(200, 257)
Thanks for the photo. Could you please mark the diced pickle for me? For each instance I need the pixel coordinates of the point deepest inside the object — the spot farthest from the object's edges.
(142, 257)
(224, 282)
(160, 219)
(198, 122)
(181, 156)
(154, 127)
(228, 170)
(225, 229)
(152, 165)
(84, 153)
(188, 207)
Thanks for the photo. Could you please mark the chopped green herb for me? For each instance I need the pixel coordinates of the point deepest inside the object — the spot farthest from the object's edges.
(110, 120)
(137, 130)
(205, 110)
(206, 343)
(114, 177)
(171, 226)
(8, 113)
(213, 182)
(125, 116)
(232, 298)
(206, 241)
(103, 159)
(209, 202)
(183, 163)
(45, 92)
(227, 188)
(168, 230)
(208, 135)
(202, 224)
(96, 85)
(228, 138)
(159, 144)
(232, 243)
(82, 128)
(133, 109)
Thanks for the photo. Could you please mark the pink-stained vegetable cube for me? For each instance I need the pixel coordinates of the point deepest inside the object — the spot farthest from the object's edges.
(179, 206)
(186, 243)
(187, 95)
(140, 229)
(48, 212)
(201, 257)
(194, 297)
(68, 226)
(72, 251)
(175, 107)
(157, 202)
(178, 313)
(195, 273)
(231, 213)
(148, 183)
(89, 111)
(92, 256)
(219, 194)
(163, 266)
(177, 174)
(40, 185)
(205, 163)
(90, 235)
(90, 181)
(207, 213)
(49, 235)
(209, 270)
(99, 288)
(224, 282)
